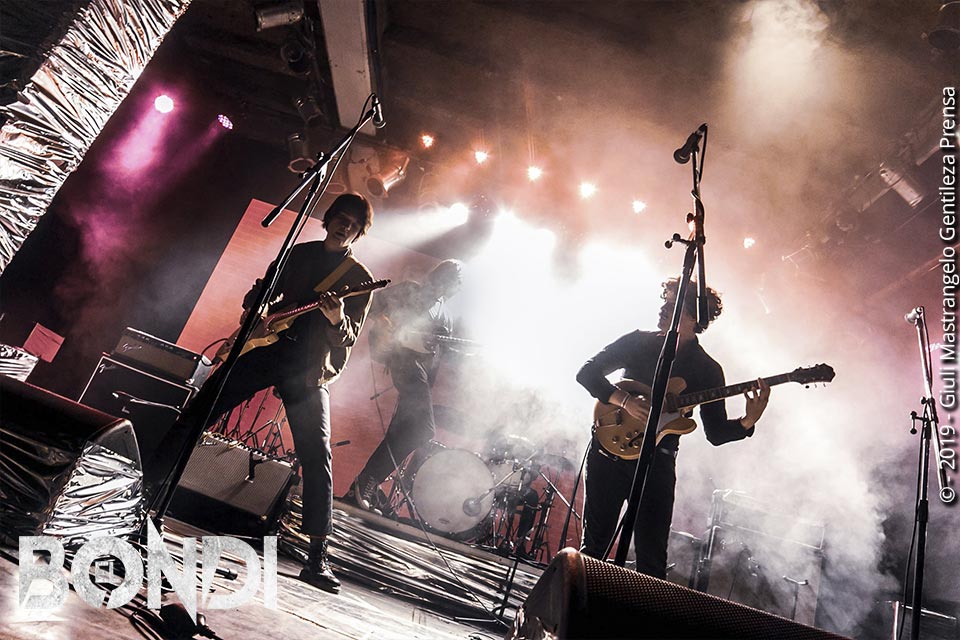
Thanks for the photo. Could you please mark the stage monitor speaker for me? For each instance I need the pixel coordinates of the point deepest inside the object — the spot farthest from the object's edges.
(65, 469)
(231, 489)
(581, 597)
(151, 403)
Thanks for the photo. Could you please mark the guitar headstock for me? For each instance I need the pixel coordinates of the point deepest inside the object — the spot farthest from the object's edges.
(363, 287)
(808, 375)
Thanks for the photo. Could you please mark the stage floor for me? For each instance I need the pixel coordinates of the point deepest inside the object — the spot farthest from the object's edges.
(408, 593)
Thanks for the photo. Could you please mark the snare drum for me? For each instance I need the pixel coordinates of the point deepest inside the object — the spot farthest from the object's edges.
(452, 492)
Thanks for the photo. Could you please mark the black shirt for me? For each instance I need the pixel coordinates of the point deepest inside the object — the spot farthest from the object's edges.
(637, 353)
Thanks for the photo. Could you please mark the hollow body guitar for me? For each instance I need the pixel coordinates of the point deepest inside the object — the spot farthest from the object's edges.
(271, 325)
(621, 434)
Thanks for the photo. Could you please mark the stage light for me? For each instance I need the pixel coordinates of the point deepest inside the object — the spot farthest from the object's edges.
(946, 35)
(896, 175)
(378, 185)
(308, 108)
(459, 213)
(225, 122)
(480, 156)
(163, 104)
(426, 140)
(300, 157)
(748, 242)
(639, 206)
(278, 15)
(587, 190)
(534, 173)
(296, 55)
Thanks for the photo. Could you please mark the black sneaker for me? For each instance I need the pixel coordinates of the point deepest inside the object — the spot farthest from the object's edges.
(318, 572)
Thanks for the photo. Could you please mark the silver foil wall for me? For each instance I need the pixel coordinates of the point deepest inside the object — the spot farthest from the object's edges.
(69, 99)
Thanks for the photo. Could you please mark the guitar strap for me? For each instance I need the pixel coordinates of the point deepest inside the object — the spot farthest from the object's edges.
(336, 274)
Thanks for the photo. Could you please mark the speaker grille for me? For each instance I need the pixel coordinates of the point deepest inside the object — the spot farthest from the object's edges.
(687, 612)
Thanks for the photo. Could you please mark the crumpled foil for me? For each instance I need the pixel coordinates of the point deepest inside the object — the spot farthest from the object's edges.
(67, 102)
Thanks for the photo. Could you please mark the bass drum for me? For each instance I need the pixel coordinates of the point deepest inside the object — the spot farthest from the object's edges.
(451, 492)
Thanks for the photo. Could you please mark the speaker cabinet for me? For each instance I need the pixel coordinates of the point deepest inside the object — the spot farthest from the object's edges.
(232, 489)
(151, 403)
(581, 597)
(65, 469)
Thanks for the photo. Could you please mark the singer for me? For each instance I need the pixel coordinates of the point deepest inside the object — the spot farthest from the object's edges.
(308, 356)
(609, 478)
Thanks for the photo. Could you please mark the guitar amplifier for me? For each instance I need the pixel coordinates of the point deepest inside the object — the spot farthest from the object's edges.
(150, 402)
(232, 489)
(162, 358)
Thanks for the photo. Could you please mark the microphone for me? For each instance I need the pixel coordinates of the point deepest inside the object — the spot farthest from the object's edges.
(378, 120)
(471, 507)
(913, 315)
(682, 155)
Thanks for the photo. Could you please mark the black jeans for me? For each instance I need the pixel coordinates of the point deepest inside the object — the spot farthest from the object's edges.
(608, 484)
(308, 412)
(413, 424)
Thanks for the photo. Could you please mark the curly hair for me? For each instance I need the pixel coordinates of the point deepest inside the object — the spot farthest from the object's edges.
(714, 303)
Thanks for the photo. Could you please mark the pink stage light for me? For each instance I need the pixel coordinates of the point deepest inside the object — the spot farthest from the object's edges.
(480, 156)
(163, 103)
(534, 173)
(225, 122)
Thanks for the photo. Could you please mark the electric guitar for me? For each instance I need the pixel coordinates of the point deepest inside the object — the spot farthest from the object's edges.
(270, 326)
(386, 339)
(621, 434)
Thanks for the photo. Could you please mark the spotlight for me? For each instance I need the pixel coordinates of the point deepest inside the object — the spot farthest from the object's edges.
(379, 185)
(587, 190)
(427, 140)
(225, 122)
(296, 56)
(163, 104)
(480, 156)
(308, 108)
(534, 173)
(278, 15)
(896, 176)
(300, 157)
(946, 35)
(639, 206)
(748, 242)
(459, 212)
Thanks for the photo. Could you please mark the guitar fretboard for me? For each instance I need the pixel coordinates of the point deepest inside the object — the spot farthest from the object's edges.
(687, 400)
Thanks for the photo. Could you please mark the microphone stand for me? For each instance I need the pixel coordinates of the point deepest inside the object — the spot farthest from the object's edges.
(929, 425)
(199, 415)
(665, 362)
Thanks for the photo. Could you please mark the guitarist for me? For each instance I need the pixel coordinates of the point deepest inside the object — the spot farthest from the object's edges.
(609, 477)
(308, 356)
(404, 318)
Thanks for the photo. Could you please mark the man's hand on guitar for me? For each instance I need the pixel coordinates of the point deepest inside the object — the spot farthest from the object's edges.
(332, 307)
(632, 404)
(757, 399)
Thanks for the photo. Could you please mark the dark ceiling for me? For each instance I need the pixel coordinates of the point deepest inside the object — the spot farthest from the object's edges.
(604, 89)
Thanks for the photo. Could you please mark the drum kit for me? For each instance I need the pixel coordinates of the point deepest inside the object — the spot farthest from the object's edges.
(499, 499)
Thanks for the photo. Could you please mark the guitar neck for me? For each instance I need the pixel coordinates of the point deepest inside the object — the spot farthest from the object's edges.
(689, 400)
(282, 315)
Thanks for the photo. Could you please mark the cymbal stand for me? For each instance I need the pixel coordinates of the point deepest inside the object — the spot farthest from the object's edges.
(537, 542)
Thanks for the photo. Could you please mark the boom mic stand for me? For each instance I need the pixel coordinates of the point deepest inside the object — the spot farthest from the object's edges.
(668, 353)
(930, 426)
(315, 179)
